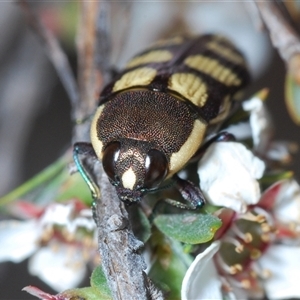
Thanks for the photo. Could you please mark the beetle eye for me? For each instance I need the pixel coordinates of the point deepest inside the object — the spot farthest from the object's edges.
(110, 156)
(156, 168)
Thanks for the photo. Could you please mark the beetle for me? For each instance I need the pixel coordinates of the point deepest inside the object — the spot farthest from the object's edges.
(153, 117)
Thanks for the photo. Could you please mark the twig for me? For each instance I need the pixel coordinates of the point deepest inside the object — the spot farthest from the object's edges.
(87, 72)
(54, 52)
(121, 259)
(283, 36)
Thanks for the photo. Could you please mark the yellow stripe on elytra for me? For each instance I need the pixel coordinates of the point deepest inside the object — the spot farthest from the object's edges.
(189, 86)
(188, 149)
(225, 52)
(176, 40)
(137, 77)
(213, 68)
(97, 144)
(155, 56)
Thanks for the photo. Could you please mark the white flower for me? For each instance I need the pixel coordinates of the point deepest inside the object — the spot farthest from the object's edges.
(18, 240)
(263, 261)
(59, 243)
(61, 268)
(281, 260)
(228, 175)
(202, 271)
(260, 123)
(283, 264)
(287, 204)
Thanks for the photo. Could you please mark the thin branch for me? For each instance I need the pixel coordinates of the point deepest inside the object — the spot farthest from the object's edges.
(283, 36)
(120, 251)
(93, 63)
(54, 52)
(121, 259)
(86, 44)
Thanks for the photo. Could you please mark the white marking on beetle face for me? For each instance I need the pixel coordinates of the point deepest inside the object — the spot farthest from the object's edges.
(129, 179)
(97, 144)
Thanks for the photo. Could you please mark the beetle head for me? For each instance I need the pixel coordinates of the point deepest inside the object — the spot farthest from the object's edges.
(134, 167)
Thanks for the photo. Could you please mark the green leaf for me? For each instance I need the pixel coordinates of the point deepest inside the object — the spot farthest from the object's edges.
(98, 281)
(292, 98)
(270, 178)
(73, 186)
(87, 293)
(170, 266)
(52, 184)
(98, 290)
(190, 228)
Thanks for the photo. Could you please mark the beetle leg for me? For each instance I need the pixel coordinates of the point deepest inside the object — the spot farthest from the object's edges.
(86, 150)
(223, 136)
(189, 192)
(178, 204)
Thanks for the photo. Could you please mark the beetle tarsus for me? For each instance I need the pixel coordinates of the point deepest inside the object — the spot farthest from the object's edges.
(83, 148)
(86, 149)
(223, 136)
(190, 193)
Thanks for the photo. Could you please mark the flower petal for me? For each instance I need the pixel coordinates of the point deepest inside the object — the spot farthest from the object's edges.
(228, 173)
(241, 131)
(18, 240)
(61, 268)
(58, 214)
(284, 264)
(268, 197)
(287, 203)
(260, 122)
(201, 280)
(281, 151)
(69, 215)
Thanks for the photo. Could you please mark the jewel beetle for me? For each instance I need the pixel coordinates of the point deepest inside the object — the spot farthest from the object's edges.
(153, 117)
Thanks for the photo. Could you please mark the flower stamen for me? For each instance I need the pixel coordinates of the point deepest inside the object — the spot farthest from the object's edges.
(239, 247)
(249, 216)
(266, 228)
(234, 269)
(246, 284)
(255, 254)
(265, 237)
(246, 237)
